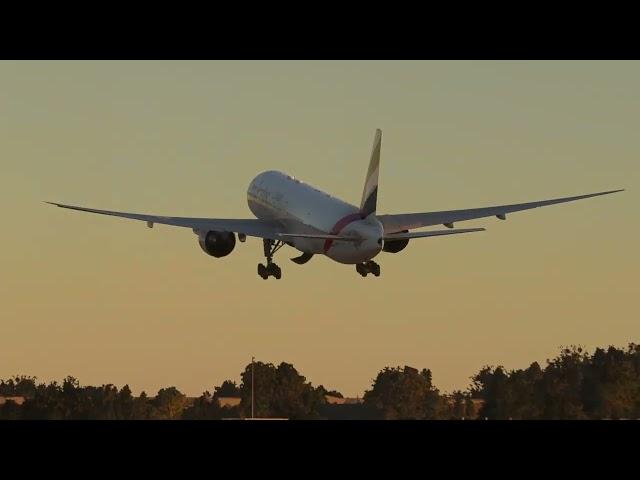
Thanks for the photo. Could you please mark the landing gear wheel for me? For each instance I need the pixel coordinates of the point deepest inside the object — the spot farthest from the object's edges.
(262, 271)
(374, 268)
(273, 270)
(368, 267)
(361, 269)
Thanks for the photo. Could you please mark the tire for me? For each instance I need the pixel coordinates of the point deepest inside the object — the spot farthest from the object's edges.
(361, 270)
(262, 271)
(275, 271)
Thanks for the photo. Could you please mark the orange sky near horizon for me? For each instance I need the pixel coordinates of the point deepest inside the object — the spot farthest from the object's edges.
(110, 301)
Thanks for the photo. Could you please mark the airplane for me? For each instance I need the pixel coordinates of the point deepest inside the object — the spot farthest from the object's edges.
(291, 212)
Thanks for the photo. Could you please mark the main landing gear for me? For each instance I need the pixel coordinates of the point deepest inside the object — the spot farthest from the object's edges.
(368, 267)
(271, 269)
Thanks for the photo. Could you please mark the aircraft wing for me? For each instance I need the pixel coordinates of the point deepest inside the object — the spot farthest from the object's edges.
(409, 221)
(252, 227)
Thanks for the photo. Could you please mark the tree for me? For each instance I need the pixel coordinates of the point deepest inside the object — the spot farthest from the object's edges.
(264, 385)
(227, 389)
(279, 392)
(332, 393)
(611, 387)
(403, 394)
(142, 408)
(490, 385)
(169, 403)
(10, 411)
(207, 407)
(19, 385)
(525, 397)
(561, 385)
(70, 397)
(457, 405)
(573, 385)
(125, 404)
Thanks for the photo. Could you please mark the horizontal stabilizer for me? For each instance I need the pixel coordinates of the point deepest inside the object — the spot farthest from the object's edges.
(319, 237)
(432, 233)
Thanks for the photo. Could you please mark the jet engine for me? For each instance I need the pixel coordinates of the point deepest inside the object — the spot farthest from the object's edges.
(394, 246)
(217, 244)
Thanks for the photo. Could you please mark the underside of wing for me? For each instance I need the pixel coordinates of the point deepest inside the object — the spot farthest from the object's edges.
(409, 221)
(252, 227)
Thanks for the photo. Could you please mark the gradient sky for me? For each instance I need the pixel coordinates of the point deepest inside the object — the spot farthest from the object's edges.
(110, 301)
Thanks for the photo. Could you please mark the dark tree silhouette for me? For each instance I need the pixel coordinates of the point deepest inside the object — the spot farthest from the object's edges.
(403, 394)
(279, 392)
(227, 389)
(169, 404)
(573, 385)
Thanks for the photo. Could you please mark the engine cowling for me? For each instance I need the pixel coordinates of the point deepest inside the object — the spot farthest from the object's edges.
(217, 244)
(394, 246)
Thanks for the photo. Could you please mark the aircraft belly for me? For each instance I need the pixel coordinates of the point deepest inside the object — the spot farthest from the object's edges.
(309, 245)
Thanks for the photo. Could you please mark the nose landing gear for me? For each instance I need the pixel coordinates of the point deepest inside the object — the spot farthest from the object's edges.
(271, 269)
(368, 267)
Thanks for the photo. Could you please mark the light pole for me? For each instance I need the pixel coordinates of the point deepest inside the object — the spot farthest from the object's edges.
(252, 359)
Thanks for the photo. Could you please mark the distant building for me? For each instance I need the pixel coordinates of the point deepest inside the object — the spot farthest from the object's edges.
(229, 402)
(18, 400)
(477, 405)
(338, 408)
(258, 418)
(469, 412)
(333, 400)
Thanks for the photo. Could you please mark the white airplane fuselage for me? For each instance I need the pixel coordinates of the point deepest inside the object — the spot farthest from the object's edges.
(273, 195)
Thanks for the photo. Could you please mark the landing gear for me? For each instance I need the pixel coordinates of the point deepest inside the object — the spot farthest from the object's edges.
(262, 271)
(360, 268)
(271, 269)
(374, 268)
(368, 267)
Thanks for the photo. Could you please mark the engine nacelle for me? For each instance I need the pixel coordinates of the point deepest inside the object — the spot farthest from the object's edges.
(394, 246)
(217, 244)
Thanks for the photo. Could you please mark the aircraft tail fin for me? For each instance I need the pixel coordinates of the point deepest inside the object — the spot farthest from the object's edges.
(370, 191)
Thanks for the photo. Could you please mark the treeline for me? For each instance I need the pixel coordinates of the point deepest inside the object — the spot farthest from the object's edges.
(574, 385)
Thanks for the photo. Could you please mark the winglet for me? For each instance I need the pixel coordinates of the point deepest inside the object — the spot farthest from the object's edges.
(370, 191)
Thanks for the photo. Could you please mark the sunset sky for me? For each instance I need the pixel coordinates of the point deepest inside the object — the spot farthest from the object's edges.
(108, 300)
